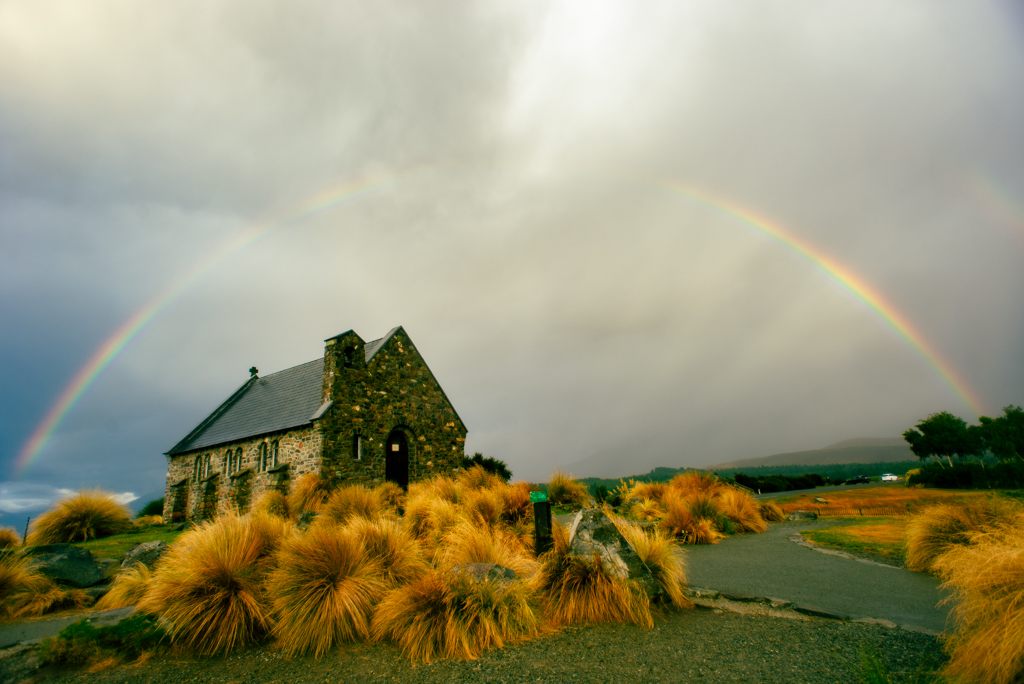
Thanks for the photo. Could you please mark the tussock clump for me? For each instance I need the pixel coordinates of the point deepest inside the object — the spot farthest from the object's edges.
(128, 588)
(148, 521)
(938, 528)
(24, 591)
(308, 495)
(681, 521)
(352, 501)
(647, 510)
(478, 478)
(651, 491)
(772, 512)
(563, 490)
(516, 506)
(662, 557)
(324, 589)
(453, 615)
(272, 502)
(437, 488)
(469, 542)
(986, 577)
(9, 538)
(84, 516)
(741, 508)
(393, 546)
(391, 495)
(429, 519)
(209, 588)
(578, 589)
(485, 505)
(694, 482)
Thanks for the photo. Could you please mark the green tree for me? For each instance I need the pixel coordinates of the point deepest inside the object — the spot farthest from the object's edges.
(942, 435)
(1003, 436)
(490, 464)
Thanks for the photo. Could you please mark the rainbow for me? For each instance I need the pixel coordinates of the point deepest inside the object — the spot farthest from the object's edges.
(861, 289)
(318, 202)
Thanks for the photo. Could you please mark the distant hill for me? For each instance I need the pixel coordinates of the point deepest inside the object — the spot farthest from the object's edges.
(860, 450)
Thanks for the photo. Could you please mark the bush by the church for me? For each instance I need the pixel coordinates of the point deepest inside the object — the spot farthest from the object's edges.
(84, 516)
(9, 538)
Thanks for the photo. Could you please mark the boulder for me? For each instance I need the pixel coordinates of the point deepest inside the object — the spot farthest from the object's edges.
(593, 534)
(147, 553)
(802, 515)
(68, 565)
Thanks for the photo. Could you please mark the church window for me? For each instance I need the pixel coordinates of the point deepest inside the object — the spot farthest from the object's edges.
(357, 447)
(263, 456)
(273, 454)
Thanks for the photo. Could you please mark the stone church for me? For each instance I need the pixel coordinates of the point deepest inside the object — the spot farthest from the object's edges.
(364, 413)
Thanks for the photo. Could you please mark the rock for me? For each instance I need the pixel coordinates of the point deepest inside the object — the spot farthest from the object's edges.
(486, 571)
(67, 564)
(147, 553)
(819, 500)
(593, 534)
(802, 515)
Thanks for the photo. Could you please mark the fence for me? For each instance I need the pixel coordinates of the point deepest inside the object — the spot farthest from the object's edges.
(860, 511)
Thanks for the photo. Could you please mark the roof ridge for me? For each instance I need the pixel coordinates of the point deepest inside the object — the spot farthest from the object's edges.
(285, 370)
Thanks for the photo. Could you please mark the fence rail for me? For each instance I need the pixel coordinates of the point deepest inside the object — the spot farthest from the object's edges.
(860, 511)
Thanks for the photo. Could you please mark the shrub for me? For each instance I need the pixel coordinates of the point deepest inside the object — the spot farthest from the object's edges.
(468, 542)
(24, 591)
(742, 509)
(662, 557)
(393, 546)
(128, 587)
(148, 521)
(82, 642)
(937, 528)
(350, 501)
(490, 464)
(9, 538)
(84, 516)
(208, 589)
(324, 588)
(578, 589)
(308, 495)
(272, 502)
(985, 577)
(563, 490)
(453, 615)
(154, 507)
(772, 512)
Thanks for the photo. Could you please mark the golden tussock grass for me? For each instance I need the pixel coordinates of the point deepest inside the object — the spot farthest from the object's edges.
(469, 542)
(209, 588)
(485, 505)
(148, 521)
(741, 508)
(352, 501)
(128, 587)
(438, 488)
(909, 499)
(652, 491)
(647, 510)
(308, 495)
(564, 490)
(24, 591)
(453, 615)
(986, 577)
(429, 519)
(516, 506)
(662, 556)
(693, 482)
(392, 496)
(323, 588)
(272, 502)
(393, 546)
(937, 528)
(478, 478)
(9, 538)
(772, 512)
(578, 589)
(84, 516)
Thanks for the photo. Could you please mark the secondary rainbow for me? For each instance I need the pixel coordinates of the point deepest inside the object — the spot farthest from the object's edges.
(101, 358)
(855, 284)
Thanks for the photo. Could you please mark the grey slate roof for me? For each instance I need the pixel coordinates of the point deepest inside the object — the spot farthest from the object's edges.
(279, 401)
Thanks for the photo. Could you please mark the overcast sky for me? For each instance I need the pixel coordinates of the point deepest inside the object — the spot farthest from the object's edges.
(504, 180)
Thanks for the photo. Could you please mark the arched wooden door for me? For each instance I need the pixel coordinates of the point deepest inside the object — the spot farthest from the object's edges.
(396, 459)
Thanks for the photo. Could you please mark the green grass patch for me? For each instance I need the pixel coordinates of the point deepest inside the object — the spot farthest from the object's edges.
(116, 546)
(881, 539)
(82, 643)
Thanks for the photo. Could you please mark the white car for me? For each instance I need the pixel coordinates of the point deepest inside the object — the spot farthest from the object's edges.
(889, 477)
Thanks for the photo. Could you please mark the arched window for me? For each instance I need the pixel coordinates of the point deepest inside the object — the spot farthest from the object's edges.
(273, 454)
(238, 459)
(263, 456)
(196, 467)
(206, 465)
(228, 455)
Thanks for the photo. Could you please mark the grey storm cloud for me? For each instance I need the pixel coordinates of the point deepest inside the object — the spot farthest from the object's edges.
(512, 175)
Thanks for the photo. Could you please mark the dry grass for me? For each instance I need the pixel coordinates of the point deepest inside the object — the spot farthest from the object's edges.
(148, 521)
(741, 508)
(469, 542)
(986, 577)
(663, 558)
(484, 505)
(452, 615)
(272, 502)
(564, 490)
(652, 491)
(324, 589)
(393, 546)
(694, 482)
(887, 497)
(308, 495)
(24, 591)
(429, 519)
(436, 488)
(647, 510)
(875, 538)
(772, 512)
(84, 516)
(478, 478)
(128, 588)
(937, 528)
(209, 588)
(392, 496)
(516, 507)
(580, 590)
(352, 501)
(9, 538)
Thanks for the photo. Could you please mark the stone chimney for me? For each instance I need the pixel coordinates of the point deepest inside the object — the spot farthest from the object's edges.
(341, 352)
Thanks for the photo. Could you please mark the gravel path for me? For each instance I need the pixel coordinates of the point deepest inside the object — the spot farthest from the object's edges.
(770, 565)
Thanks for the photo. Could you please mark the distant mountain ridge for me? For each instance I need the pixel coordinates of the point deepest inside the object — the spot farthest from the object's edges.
(857, 450)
